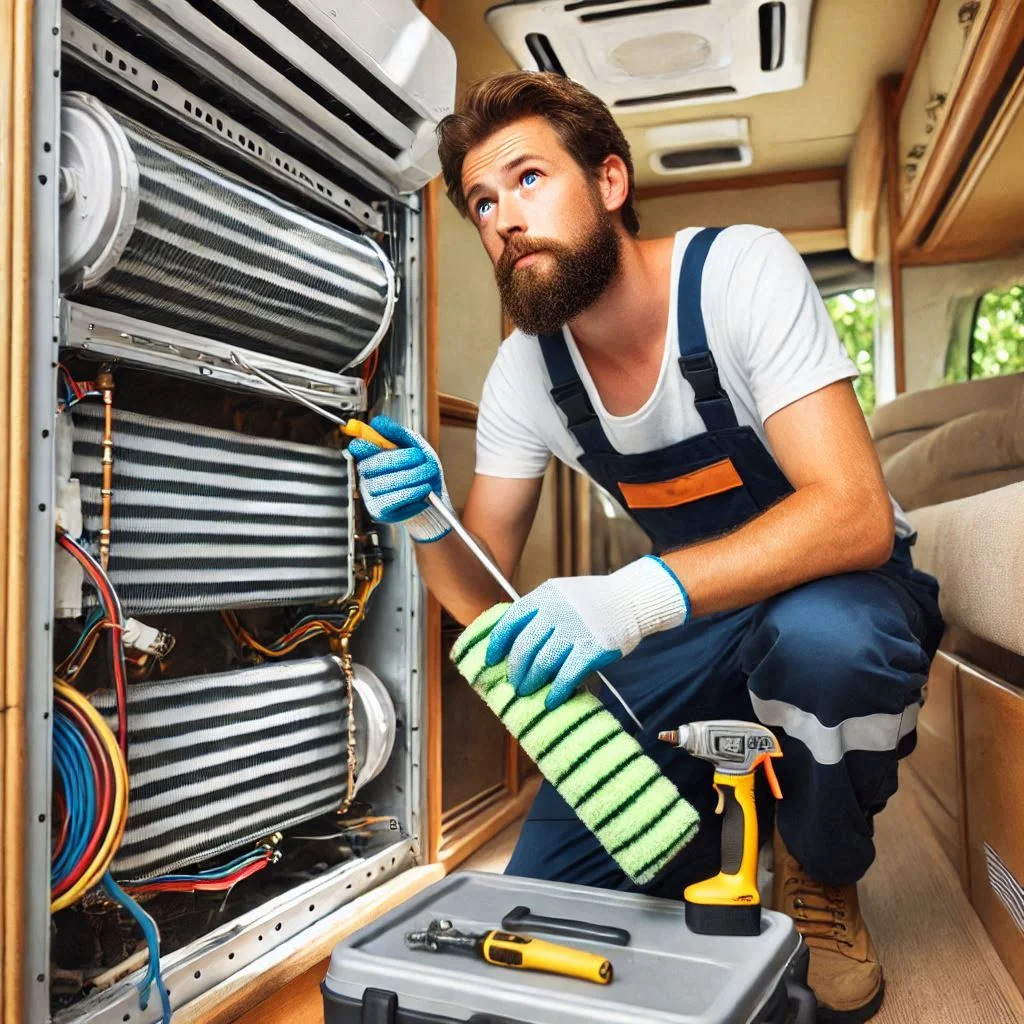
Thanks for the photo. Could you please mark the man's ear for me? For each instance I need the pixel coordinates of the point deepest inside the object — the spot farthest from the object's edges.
(613, 182)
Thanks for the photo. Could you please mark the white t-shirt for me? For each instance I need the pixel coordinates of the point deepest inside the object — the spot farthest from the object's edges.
(767, 327)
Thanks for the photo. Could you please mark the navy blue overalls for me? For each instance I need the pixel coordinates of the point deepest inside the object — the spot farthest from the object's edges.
(835, 666)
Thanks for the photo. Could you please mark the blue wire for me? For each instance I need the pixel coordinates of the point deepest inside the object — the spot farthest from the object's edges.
(213, 873)
(149, 930)
(72, 758)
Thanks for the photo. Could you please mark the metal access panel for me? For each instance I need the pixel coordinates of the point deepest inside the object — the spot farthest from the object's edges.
(211, 519)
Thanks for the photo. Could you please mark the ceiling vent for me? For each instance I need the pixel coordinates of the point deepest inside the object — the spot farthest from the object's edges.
(643, 54)
(699, 146)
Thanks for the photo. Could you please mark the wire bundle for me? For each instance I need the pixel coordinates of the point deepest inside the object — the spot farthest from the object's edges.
(74, 390)
(93, 808)
(213, 879)
(113, 620)
(335, 626)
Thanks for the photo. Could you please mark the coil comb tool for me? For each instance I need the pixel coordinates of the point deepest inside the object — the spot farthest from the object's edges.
(357, 428)
(504, 949)
(729, 903)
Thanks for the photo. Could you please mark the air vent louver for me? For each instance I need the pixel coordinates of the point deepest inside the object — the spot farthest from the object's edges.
(772, 19)
(645, 55)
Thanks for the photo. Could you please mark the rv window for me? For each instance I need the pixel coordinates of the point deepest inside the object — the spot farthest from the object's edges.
(994, 346)
(853, 314)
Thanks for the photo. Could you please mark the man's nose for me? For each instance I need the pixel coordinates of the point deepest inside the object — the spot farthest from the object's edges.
(511, 217)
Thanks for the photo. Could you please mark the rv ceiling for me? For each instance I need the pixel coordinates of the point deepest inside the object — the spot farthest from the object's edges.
(853, 43)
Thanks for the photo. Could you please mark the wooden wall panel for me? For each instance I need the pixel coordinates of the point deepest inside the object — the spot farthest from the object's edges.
(993, 723)
(936, 760)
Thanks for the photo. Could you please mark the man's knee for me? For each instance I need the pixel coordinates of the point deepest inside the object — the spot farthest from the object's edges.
(811, 639)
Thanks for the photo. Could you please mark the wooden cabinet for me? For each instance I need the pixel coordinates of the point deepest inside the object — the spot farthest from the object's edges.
(993, 724)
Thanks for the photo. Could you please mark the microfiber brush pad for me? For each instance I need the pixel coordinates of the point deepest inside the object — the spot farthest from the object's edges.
(618, 792)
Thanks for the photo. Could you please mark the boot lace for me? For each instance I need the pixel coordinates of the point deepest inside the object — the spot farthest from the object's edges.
(820, 911)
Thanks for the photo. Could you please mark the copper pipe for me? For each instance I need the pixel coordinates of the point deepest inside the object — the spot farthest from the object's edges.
(105, 382)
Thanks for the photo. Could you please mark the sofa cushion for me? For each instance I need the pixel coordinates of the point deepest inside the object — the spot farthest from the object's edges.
(975, 548)
(966, 455)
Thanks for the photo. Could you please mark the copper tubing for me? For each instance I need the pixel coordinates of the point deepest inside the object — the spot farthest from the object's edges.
(105, 382)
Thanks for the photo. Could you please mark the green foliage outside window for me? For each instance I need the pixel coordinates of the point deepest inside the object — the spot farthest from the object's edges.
(997, 340)
(853, 314)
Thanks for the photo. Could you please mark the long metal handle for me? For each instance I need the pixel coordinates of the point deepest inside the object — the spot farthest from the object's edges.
(435, 502)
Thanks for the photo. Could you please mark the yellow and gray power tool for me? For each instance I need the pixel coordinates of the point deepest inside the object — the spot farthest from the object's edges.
(729, 903)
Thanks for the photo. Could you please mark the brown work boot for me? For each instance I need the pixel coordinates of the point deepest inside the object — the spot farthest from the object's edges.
(844, 972)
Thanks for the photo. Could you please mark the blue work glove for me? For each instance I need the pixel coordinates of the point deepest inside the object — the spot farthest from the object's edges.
(394, 484)
(569, 627)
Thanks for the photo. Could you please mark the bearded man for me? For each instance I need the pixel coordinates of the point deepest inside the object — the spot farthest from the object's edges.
(697, 379)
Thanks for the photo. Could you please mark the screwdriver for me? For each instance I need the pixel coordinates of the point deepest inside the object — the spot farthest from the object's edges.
(357, 428)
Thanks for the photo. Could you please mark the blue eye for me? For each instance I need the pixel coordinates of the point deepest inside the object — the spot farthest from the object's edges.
(482, 206)
(529, 178)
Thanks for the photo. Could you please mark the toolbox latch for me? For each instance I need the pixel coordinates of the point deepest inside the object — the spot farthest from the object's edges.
(379, 1007)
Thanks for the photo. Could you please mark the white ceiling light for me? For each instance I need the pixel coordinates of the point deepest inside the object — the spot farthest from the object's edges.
(644, 54)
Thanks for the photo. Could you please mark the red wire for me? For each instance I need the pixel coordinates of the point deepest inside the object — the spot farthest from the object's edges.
(62, 825)
(207, 885)
(72, 383)
(102, 786)
(109, 600)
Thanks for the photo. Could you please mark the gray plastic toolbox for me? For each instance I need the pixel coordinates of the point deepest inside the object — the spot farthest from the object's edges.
(665, 975)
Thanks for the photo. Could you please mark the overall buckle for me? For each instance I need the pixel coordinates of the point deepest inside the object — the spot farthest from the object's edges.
(572, 399)
(701, 373)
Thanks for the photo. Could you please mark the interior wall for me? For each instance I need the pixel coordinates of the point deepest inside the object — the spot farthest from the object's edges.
(885, 339)
(798, 206)
(931, 297)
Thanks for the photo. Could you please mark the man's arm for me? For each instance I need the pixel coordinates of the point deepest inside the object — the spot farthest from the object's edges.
(499, 513)
(838, 520)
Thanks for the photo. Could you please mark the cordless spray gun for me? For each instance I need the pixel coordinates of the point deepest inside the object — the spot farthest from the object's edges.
(729, 903)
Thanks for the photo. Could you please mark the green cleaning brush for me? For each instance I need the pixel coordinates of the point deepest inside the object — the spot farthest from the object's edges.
(600, 770)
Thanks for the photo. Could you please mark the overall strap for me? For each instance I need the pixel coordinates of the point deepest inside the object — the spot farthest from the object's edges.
(695, 358)
(571, 397)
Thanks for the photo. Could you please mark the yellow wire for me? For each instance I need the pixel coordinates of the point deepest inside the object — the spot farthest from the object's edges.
(115, 832)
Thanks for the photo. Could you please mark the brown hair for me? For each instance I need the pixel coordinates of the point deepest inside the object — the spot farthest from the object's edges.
(583, 122)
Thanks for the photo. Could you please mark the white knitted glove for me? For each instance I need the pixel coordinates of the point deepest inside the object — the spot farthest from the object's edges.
(568, 627)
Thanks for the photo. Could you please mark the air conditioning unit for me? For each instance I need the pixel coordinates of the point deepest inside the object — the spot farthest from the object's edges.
(645, 54)
(699, 146)
(364, 82)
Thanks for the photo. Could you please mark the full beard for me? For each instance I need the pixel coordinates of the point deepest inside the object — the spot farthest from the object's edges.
(539, 299)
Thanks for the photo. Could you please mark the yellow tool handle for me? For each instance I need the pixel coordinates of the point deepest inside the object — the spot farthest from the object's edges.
(508, 950)
(357, 428)
(736, 883)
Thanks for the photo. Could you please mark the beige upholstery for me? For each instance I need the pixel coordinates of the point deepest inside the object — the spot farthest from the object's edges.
(975, 548)
(952, 442)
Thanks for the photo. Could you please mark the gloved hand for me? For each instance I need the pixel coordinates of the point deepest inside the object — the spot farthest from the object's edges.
(567, 628)
(394, 484)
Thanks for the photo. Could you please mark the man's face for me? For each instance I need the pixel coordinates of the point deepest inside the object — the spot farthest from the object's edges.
(544, 225)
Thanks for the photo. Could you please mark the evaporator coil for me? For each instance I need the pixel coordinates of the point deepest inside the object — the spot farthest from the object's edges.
(218, 762)
(206, 519)
(151, 230)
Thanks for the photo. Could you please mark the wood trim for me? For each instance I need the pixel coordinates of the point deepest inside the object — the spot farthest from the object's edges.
(247, 989)
(432, 726)
(1001, 38)
(457, 817)
(16, 200)
(745, 182)
(979, 162)
(964, 867)
(892, 181)
(984, 250)
(864, 176)
(512, 779)
(459, 846)
(457, 412)
(916, 52)
(808, 240)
